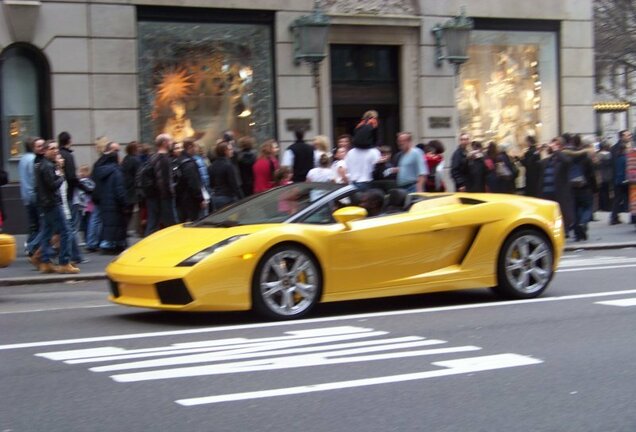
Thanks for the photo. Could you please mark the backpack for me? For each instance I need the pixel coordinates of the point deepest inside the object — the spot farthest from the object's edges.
(177, 173)
(145, 181)
(577, 176)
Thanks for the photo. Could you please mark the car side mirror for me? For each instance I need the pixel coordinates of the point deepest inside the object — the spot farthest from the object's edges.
(349, 214)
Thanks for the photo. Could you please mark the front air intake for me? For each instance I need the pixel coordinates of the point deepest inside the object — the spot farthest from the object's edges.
(114, 288)
(173, 292)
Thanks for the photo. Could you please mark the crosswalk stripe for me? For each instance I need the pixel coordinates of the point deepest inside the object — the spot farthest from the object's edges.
(451, 367)
(290, 362)
(621, 303)
(216, 357)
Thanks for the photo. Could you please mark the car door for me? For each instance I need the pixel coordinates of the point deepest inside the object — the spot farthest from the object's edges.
(398, 250)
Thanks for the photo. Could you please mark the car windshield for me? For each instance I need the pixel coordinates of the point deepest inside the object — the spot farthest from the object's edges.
(274, 206)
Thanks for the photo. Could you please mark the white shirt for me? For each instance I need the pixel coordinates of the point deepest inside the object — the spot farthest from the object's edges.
(335, 167)
(322, 175)
(360, 163)
(288, 158)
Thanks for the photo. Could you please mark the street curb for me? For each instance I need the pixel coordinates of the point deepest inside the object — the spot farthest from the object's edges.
(36, 280)
(598, 246)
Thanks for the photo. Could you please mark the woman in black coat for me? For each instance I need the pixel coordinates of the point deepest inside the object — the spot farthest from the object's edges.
(554, 183)
(129, 167)
(224, 177)
(110, 194)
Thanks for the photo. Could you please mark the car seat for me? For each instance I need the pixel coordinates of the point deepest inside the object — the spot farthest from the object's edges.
(396, 199)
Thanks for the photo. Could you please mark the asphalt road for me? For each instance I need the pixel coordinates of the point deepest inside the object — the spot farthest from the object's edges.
(462, 361)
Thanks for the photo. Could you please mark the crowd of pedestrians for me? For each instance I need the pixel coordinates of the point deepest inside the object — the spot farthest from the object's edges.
(69, 207)
(580, 174)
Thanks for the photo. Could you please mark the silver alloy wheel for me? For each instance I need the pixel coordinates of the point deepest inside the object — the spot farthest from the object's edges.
(528, 263)
(289, 282)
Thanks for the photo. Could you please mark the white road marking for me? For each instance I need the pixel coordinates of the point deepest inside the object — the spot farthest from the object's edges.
(452, 367)
(220, 344)
(567, 270)
(289, 362)
(573, 261)
(621, 303)
(56, 309)
(311, 320)
(195, 359)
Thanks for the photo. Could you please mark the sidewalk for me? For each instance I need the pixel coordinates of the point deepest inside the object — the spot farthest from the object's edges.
(21, 272)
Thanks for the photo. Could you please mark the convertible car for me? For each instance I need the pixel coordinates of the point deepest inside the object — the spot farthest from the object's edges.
(283, 251)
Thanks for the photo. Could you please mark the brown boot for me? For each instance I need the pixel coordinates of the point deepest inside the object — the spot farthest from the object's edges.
(48, 268)
(35, 259)
(68, 269)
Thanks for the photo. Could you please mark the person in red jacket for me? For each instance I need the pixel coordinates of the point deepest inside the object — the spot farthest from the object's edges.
(434, 155)
(265, 166)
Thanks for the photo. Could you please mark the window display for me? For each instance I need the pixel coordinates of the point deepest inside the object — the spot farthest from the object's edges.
(508, 88)
(20, 106)
(198, 80)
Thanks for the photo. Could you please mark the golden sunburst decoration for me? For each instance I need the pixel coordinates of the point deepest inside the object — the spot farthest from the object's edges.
(175, 84)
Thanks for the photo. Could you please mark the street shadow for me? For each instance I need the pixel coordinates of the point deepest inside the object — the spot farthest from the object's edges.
(345, 308)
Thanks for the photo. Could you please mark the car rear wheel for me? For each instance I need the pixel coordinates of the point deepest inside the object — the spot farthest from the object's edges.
(524, 268)
(287, 283)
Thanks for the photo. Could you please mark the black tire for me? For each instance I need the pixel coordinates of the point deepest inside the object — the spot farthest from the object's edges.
(524, 265)
(282, 291)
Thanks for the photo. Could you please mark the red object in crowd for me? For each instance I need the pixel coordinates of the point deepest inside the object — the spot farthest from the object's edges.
(264, 169)
(433, 160)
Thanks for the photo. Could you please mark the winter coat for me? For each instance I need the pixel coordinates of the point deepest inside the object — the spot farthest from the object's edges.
(245, 161)
(504, 183)
(459, 168)
(532, 162)
(224, 178)
(188, 195)
(129, 167)
(563, 192)
(48, 185)
(110, 195)
(582, 158)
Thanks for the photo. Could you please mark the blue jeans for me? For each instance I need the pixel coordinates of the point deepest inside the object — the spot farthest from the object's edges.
(34, 243)
(34, 221)
(583, 206)
(54, 221)
(220, 201)
(94, 229)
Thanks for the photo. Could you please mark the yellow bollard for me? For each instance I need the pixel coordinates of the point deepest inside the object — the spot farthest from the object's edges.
(7, 249)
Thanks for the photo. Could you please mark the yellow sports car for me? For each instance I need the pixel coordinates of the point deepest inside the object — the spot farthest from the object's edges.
(283, 251)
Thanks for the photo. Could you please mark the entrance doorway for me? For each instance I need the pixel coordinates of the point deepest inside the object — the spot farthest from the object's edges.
(365, 77)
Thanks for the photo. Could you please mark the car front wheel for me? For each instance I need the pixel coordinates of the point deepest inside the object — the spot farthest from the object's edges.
(524, 268)
(287, 283)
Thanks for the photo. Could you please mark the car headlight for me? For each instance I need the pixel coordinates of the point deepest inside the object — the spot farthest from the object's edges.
(194, 259)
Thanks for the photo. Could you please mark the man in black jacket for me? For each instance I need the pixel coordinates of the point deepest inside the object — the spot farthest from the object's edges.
(49, 178)
(72, 182)
(459, 164)
(189, 198)
(160, 201)
(299, 157)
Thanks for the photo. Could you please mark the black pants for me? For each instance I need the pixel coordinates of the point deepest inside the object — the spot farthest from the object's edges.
(620, 200)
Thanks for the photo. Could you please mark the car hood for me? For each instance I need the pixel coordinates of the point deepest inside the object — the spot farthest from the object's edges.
(170, 246)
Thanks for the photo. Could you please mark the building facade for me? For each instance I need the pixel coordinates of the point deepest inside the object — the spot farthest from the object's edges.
(128, 70)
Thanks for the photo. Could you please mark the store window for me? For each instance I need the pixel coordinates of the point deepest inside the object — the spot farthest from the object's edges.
(509, 87)
(200, 79)
(25, 104)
